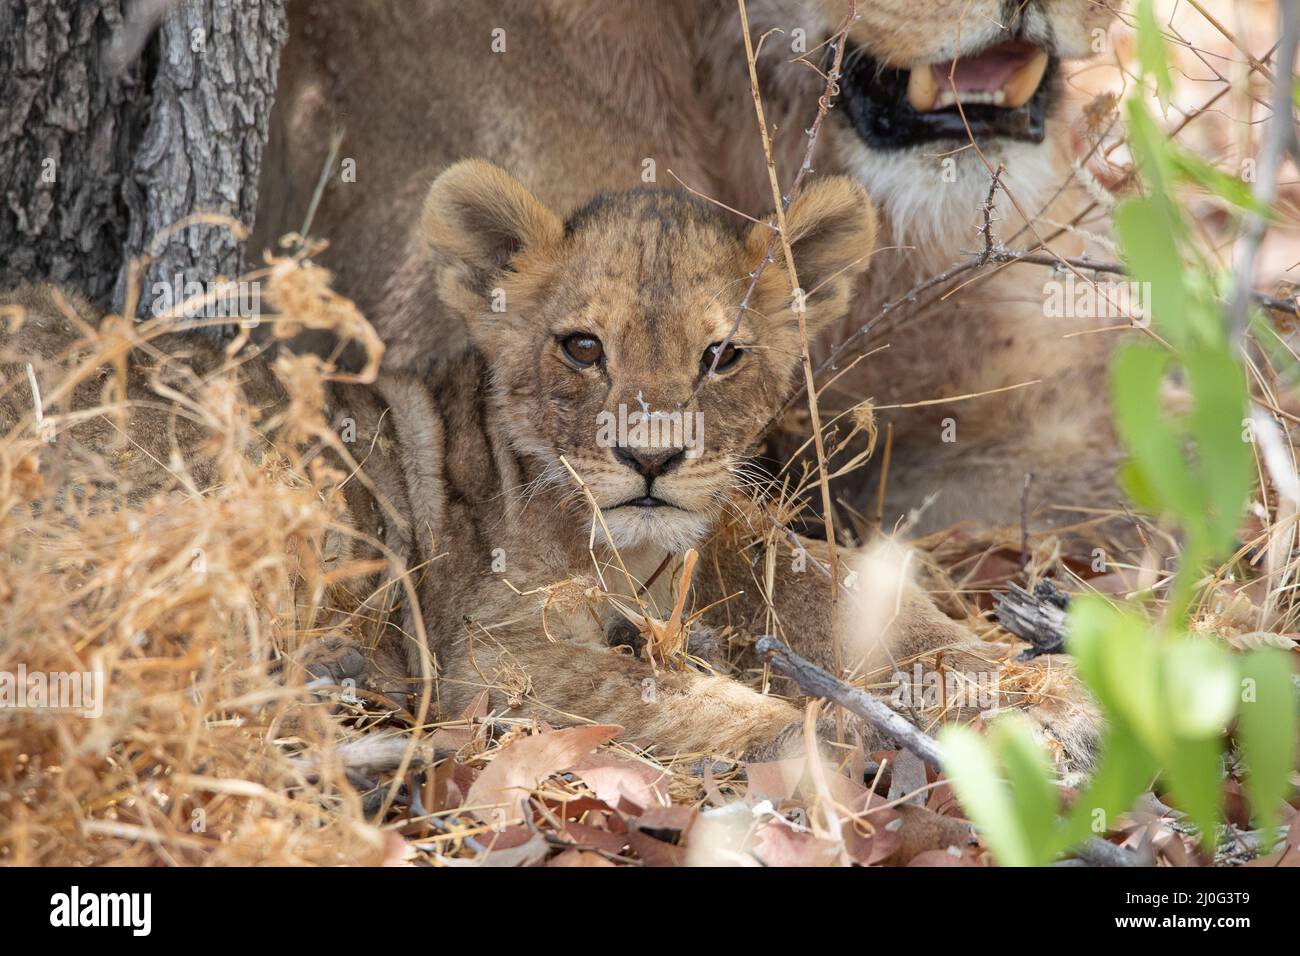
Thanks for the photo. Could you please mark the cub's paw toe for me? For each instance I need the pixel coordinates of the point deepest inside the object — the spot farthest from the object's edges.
(792, 741)
(623, 633)
(1069, 729)
(335, 660)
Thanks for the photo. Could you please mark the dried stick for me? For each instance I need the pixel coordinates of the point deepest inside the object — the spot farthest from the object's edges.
(1279, 140)
(780, 205)
(1038, 618)
(816, 682)
(992, 256)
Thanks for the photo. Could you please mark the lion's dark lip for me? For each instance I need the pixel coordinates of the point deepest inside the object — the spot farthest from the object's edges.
(875, 102)
(645, 501)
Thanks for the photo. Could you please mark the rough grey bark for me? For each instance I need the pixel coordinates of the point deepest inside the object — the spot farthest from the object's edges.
(99, 156)
(1038, 618)
(212, 91)
(65, 143)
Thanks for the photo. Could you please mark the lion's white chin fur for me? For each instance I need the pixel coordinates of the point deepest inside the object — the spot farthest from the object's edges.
(672, 529)
(934, 208)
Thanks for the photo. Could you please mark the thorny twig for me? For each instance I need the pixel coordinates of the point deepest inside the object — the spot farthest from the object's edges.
(994, 256)
(1131, 173)
(986, 230)
(823, 107)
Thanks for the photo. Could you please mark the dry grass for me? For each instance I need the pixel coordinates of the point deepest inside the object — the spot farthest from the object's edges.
(183, 594)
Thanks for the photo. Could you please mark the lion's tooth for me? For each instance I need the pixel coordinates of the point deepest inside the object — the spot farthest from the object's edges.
(1023, 83)
(922, 88)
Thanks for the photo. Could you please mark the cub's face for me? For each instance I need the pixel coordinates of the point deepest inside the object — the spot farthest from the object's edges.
(606, 328)
(923, 78)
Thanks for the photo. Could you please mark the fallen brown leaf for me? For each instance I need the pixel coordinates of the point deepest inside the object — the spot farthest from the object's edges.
(499, 791)
(921, 831)
(628, 785)
(780, 844)
(774, 780)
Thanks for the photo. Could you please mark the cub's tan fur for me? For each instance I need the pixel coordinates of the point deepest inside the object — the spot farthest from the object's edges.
(584, 95)
(503, 546)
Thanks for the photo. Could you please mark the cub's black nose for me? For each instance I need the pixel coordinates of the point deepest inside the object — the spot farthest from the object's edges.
(650, 463)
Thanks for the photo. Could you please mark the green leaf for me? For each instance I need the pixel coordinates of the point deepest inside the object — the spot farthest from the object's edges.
(1124, 770)
(1132, 668)
(1106, 644)
(1208, 500)
(1090, 619)
(1136, 376)
(1151, 51)
(1195, 771)
(1153, 152)
(969, 764)
(1266, 729)
(1200, 688)
(1225, 462)
(1118, 659)
(1030, 777)
(1227, 187)
(1149, 249)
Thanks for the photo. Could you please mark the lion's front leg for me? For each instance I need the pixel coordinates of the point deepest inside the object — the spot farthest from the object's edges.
(1050, 471)
(887, 635)
(786, 590)
(564, 682)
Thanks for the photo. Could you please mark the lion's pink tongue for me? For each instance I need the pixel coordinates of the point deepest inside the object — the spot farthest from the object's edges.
(1006, 75)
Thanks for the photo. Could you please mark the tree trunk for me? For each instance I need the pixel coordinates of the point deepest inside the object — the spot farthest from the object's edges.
(65, 144)
(111, 132)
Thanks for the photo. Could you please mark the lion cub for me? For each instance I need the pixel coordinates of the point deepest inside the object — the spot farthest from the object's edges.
(581, 471)
(598, 431)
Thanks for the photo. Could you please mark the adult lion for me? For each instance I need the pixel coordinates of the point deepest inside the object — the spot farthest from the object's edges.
(936, 97)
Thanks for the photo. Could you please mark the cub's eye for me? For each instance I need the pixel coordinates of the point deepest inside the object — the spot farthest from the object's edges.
(730, 355)
(582, 350)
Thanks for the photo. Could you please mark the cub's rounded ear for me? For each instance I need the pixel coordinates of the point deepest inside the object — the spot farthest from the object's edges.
(832, 230)
(486, 221)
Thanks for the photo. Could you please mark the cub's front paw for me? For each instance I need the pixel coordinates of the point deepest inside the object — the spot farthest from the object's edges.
(1066, 721)
(792, 740)
(335, 660)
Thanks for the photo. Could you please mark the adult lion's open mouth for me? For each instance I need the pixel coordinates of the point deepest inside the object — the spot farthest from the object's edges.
(1004, 91)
